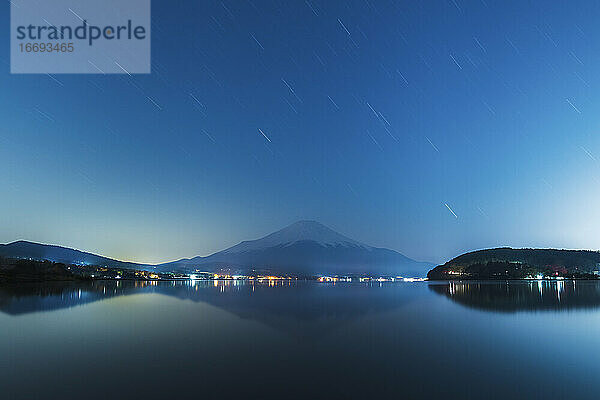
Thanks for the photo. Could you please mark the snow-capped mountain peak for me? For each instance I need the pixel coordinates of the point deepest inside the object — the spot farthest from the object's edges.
(296, 232)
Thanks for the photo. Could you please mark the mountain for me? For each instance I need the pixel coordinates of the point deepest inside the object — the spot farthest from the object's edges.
(305, 248)
(508, 263)
(37, 251)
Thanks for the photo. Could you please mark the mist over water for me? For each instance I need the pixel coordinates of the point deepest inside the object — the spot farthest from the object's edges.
(230, 339)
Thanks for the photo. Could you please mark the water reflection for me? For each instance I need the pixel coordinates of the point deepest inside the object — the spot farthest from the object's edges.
(513, 296)
(282, 304)
(231, 339)
(277, 299)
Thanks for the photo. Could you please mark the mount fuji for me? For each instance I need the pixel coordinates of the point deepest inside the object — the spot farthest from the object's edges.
(305, 248)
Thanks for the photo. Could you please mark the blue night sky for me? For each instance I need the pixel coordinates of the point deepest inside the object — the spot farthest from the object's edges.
(376, 116)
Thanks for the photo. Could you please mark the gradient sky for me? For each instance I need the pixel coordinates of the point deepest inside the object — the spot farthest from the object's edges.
(378, 114)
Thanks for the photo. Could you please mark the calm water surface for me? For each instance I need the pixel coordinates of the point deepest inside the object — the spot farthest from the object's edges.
(301, 339)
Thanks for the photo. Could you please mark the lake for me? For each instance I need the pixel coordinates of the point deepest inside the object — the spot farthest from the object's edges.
(284, 339)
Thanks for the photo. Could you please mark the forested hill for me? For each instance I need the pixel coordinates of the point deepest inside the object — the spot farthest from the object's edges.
(509, 263)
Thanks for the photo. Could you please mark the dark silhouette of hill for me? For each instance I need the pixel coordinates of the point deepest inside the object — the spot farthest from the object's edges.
(37, 251)
(25, 270)
(508, 263)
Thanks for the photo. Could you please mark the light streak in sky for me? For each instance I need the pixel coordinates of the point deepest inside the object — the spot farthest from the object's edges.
(333, 102)
(455, 62)
(588, 153)
(453, 213)
(262, 133)
(257, 42)
(291, 90)
(573, 105)
(75, 14)
(95, 66)
(344, 26)
(154, 102)
(433, 145)
(120, 66)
